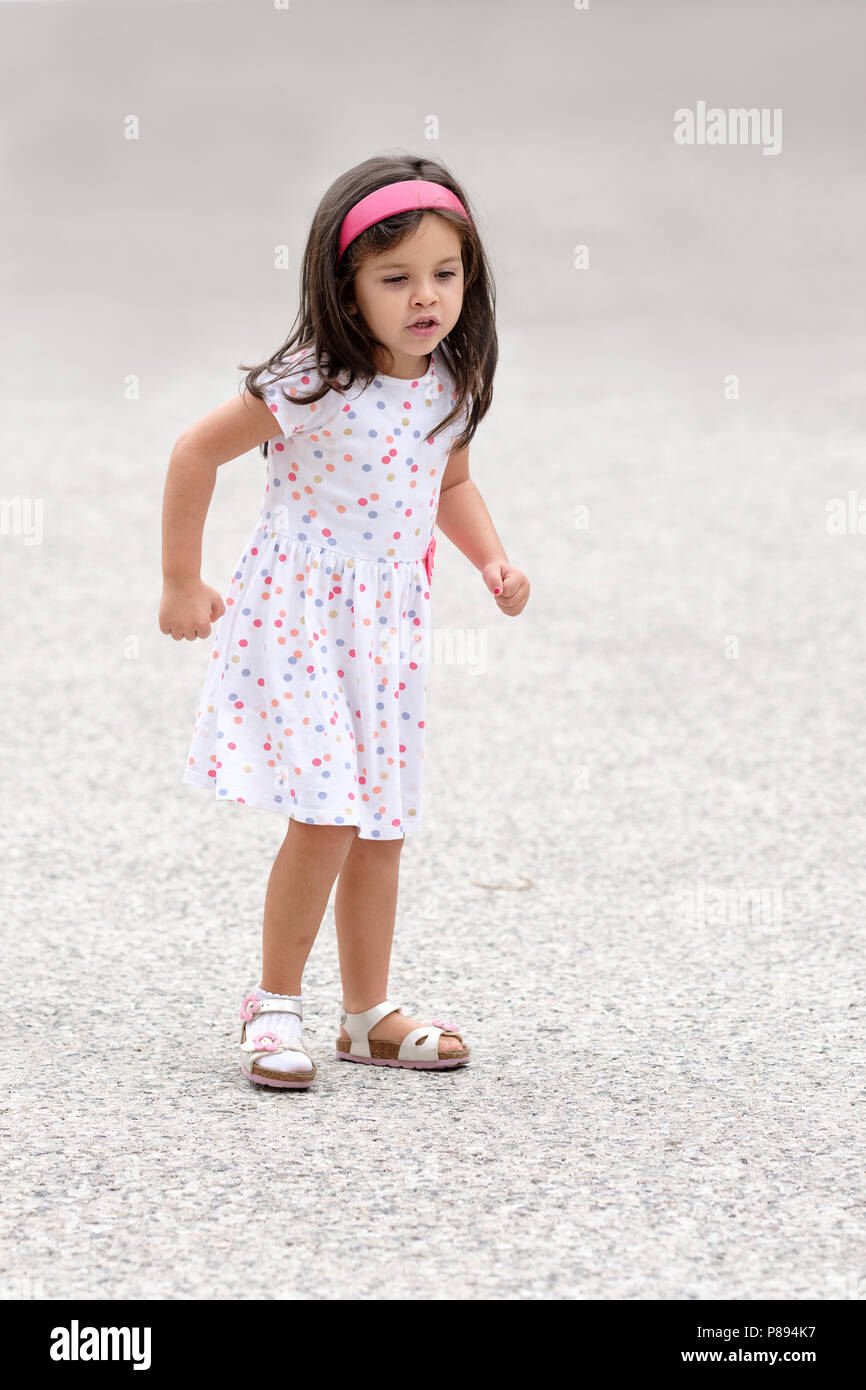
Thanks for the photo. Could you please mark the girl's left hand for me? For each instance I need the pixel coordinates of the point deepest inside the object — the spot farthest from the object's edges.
(512, 584)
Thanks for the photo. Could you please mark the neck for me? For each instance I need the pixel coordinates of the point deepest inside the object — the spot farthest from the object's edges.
(406, 367)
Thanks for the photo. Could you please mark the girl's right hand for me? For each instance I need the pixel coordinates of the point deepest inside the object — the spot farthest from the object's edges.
(188, 608)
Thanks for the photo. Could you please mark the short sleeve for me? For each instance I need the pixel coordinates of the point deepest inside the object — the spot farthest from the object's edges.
(459, 425)
(284, 383)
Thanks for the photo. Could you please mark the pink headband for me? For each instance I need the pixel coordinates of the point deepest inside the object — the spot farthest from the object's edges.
(403, 196)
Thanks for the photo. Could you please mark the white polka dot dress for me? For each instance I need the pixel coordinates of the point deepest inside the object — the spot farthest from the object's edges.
(314, 699)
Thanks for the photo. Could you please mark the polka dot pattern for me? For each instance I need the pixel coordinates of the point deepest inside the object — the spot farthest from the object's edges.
(313, 703)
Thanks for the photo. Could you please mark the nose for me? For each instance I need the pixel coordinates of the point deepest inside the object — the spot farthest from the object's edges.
(425, 295)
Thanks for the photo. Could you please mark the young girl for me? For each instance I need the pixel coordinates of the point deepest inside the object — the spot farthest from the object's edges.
(314, 699)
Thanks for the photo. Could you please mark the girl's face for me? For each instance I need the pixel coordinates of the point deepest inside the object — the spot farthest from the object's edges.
(422, 276)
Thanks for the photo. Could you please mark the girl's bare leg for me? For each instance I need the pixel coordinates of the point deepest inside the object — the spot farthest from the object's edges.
(301, 880)
(365, 907)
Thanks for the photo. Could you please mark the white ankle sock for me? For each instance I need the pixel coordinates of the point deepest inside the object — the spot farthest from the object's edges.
(285, 1026)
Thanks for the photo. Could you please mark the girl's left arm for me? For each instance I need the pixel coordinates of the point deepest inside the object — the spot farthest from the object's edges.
(465, 520)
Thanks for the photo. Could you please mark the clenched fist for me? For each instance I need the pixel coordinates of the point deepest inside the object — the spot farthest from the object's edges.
(509, 586)
(188, 608)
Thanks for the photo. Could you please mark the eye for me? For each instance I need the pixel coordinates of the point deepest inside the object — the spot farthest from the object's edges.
(395, 279)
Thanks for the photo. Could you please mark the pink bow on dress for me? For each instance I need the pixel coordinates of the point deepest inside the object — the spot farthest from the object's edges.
(428, 558)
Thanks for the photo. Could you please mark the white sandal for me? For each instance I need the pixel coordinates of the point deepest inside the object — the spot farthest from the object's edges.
(253, 1049)
(420, 1048)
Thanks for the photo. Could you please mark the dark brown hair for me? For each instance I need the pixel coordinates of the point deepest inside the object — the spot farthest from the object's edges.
(341, 343)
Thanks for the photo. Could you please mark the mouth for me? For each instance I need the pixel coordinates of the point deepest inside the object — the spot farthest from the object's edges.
(428, 324)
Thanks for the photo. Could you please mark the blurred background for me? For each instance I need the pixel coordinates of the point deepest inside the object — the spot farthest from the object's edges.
(671, 731)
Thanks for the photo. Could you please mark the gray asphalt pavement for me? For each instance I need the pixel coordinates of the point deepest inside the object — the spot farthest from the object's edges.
(640, 886)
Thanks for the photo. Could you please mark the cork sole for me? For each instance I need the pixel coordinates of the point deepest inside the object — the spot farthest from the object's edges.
(289, 1080)
(384, 1054)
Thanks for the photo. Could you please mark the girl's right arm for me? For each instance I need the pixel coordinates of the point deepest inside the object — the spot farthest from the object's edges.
(188, 605)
